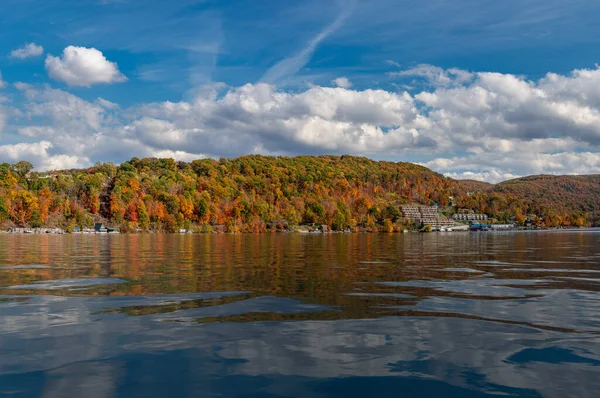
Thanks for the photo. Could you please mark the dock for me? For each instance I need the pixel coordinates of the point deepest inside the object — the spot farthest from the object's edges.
(56, 231)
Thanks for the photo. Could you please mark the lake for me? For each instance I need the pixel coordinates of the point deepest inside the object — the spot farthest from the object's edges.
(291, 315)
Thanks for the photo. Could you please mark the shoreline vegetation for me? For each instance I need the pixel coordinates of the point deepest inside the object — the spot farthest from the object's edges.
(260, 194)
(306, 232)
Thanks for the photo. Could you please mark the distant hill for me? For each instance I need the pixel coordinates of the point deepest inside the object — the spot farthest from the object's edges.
(261, 193)
(564, 200)
(557, 194)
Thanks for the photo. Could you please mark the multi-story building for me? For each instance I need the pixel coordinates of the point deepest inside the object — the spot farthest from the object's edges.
(411, 212)
(426, 215)
(470, 217)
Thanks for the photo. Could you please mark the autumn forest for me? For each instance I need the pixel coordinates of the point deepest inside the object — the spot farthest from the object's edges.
(261, 194)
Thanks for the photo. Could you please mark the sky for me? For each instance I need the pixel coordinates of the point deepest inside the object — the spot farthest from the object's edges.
(473, 89)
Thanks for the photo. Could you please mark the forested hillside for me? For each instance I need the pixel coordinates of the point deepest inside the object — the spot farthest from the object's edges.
(258, 194)
(558, 194)
(556, 200)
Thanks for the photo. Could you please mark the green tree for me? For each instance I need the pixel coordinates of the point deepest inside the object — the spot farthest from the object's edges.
(143, 218)
(22, 168)
(3, 209)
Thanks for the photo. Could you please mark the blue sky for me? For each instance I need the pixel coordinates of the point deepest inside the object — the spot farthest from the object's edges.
(181, 52)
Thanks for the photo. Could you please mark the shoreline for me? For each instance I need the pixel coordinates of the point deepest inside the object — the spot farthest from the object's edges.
(592, 229)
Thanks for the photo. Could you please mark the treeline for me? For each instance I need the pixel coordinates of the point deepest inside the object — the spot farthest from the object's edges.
(247, 194)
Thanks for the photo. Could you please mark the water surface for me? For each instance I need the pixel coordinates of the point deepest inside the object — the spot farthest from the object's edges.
(454, 315)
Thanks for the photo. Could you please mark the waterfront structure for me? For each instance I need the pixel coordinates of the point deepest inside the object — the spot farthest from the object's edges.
(458, 227)
(100, 228)
(470, 217)
(36, 231)
(478, 227)
(426, 215)
(501, 227)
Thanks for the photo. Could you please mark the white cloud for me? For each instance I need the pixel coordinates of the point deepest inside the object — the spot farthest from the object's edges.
(73, 126)
(492, 176)
(39, 154)
(492, 167)
(260, 118)
(177, 155)
(504, 106)
(37, 131)
(342, 82)
(21, 86)
(29, 50)
(2, 82)
(435, 75)
(107, 104)
(80, 66)
(64, 110)
(23, 150)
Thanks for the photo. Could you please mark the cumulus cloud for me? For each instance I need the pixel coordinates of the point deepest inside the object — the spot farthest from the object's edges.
(181, 156)
(342, 82)
(40, 153)
(29, 50)
(486, 126)
(260, 118)
(500, 105)
(81, 66)
(492, 176)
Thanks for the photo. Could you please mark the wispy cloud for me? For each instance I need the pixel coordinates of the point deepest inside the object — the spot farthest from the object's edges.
(191, 61)
(292, 65)
(342, 82)
(27, 51)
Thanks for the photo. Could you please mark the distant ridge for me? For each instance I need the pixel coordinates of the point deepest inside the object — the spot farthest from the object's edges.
(553, 195)
(567, 193)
